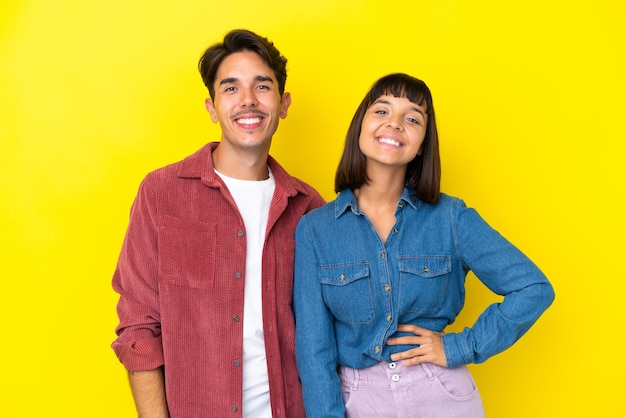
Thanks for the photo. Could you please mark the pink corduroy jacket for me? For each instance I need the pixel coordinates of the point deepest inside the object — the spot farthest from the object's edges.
(181, 275)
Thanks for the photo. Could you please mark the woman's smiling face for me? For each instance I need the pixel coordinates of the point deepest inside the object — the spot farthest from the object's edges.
(392, 131)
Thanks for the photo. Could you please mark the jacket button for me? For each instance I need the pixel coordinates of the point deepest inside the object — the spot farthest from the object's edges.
(238, 275)
(236, 363)
(240, 234)
(426, 269)
(236, 318)
(342, 277)
(234, 408)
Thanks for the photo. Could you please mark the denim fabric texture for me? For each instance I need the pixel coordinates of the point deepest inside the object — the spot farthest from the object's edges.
(351, 291)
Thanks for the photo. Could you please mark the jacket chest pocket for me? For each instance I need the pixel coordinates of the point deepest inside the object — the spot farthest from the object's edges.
(347, 292)
(423, 283)
(186, 252)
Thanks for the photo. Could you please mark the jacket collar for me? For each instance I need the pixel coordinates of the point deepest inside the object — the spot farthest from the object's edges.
(199, 165)
(346, 200)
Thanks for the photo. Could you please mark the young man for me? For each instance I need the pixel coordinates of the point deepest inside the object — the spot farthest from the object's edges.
(206, 270)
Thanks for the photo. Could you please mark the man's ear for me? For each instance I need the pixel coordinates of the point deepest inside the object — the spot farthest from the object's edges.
(208, 103)
(284, 105)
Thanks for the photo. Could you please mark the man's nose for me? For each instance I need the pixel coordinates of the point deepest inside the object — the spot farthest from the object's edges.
(248, 98)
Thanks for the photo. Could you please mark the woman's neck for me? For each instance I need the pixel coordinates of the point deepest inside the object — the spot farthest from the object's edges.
(378, 200)
(384, 188)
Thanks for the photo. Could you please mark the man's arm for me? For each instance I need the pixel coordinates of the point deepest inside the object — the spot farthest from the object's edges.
(148, 389)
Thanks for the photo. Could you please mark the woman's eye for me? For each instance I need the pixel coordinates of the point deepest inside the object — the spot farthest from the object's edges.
(414, 121)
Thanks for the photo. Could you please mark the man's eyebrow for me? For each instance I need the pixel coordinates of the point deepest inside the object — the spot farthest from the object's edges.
(228, 80)
(258, 78)
(264, 78)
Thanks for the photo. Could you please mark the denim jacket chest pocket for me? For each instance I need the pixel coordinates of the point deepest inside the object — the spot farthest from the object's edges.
(347, 292)
(424, 281)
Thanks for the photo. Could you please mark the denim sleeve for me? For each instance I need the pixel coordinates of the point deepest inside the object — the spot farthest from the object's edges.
(506, 271)
(316, 347)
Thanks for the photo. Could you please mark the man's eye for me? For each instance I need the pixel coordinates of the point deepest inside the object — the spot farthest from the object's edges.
(263, 87)
(231, 88)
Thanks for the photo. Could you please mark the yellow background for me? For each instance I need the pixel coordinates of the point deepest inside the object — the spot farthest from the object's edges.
(530, 103)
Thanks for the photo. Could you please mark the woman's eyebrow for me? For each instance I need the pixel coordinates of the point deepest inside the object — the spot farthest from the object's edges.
(387, 102)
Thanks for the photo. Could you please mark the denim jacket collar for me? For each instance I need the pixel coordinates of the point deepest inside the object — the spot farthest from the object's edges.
(346, 200)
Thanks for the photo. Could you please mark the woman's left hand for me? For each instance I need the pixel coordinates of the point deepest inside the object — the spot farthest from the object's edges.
(430, 348)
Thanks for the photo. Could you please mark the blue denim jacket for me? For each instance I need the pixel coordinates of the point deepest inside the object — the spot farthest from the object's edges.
(351, 291)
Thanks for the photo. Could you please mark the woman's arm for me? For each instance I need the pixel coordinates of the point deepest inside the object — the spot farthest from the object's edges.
(316, 346)
(506, 271)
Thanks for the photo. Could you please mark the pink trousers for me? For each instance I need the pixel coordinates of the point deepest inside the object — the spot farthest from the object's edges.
(394, 391)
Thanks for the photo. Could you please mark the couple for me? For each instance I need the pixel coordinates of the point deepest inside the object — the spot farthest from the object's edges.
(224, 314)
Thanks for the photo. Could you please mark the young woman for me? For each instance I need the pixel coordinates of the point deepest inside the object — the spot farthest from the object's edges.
(380, 273)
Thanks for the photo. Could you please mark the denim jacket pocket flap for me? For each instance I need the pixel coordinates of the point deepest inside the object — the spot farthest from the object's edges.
(426, 266)
(343, 274)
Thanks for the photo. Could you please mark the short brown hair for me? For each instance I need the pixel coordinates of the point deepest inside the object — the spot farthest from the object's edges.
(239, 40)
(423, 173)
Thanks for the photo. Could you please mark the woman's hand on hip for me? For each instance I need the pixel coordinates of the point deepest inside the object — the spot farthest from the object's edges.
(429, 350)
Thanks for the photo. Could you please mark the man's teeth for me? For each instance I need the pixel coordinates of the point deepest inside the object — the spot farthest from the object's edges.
(248, 121)
(389, 141)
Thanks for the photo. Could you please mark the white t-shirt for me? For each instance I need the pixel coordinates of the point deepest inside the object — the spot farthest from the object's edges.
(253, 199)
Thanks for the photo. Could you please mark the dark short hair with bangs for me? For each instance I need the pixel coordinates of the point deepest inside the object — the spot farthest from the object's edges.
(423, 173)
(240, 40)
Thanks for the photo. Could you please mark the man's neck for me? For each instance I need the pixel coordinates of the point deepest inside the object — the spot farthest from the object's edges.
(240, 165)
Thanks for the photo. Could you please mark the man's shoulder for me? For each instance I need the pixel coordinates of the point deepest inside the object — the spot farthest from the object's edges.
(307, 188)
(189, 167)
(323, 215)
(294, 184)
